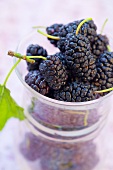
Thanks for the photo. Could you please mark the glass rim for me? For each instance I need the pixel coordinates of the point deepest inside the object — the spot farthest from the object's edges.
(37, 95)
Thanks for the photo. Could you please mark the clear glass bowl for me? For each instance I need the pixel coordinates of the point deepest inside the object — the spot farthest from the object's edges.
(56, 134)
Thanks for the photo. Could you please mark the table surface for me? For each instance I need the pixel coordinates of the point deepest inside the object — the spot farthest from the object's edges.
(16, 20)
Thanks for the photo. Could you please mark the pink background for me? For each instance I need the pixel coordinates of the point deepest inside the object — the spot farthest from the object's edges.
(16, 19)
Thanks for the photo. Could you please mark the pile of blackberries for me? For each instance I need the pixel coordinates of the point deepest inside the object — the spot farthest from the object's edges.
(82, 66)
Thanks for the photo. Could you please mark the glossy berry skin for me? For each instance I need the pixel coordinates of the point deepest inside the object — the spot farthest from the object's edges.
(64, 30)
(54, 31)
(104, 76)
(69, 28)
(54, 72)
(79, 58)
(35, 80)
(99, 44)
(35, 50)
(88, 29)
(76, 92)
(62, 57)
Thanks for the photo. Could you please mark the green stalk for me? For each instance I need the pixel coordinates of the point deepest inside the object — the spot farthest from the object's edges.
(79, 26)
(103, 91)
(42, 57)
(49, 36)
(14, 66)
(24, 57)
(109, 48)
(39, 27)
(103, 26)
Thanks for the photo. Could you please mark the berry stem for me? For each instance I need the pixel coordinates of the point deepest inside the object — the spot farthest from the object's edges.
(39, 27)
(103, 26)
(8, 75)
(18, 55)
(79, 26)
(47, 35)
(24, 57)
(109, 48)
(103, 91)
(42, 57)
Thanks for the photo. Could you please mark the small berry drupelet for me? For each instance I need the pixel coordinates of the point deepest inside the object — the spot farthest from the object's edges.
(99, 45)
(76, 92)
(62, 57)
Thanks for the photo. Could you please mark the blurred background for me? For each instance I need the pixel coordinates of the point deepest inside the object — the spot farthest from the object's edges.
(16, 20)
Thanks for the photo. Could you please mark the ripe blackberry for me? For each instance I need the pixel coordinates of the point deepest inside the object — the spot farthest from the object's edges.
(76, 92)
(104, 76)
(79, 58)
(99, 45)
(64, 30)
(61, 30)
(54, 30)
(35, 80)
(53, 71)
(35, 50)
(88, 29)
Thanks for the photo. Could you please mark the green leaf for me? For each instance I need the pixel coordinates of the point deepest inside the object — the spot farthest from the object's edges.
(8, 107)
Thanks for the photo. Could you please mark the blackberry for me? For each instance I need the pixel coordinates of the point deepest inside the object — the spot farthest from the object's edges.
(88, 29)
(104, 76)
(35, 50)
(99, 45)
(79, 58)
(76, 92)
(53, 71)
(35, 80)
(54, 31)
(64, 30)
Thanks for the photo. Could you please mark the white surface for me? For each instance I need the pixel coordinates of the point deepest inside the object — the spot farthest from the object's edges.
(7, 156)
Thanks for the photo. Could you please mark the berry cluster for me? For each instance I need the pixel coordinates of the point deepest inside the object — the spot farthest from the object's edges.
(82, 66)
